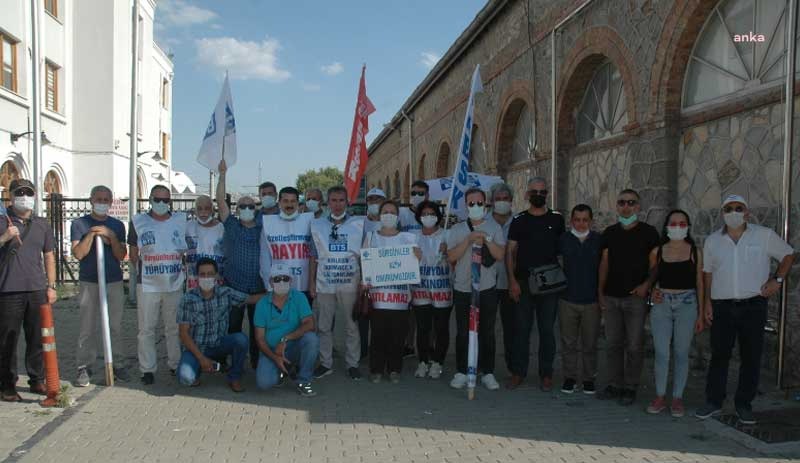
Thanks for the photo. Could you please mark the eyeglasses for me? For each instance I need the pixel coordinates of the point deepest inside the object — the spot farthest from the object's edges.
(729, 209)
(417, 193)
(475, 203)
(678, 224)
(24, 192)
(246, 206)
(629, 202)
(281, 278)
(537, 192)
(161, 200)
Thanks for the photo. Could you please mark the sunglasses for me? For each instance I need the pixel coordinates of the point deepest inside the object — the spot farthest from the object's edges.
(475, 203)
(417, 193)
(161, 200)
(246, 206)
(24, 192)
(537, 192)
(281, 278)
(678, 224)
(729, 209)
(629, 202)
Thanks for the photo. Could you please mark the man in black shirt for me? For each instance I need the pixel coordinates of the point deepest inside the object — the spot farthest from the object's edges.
(533, 242)
(622, 294)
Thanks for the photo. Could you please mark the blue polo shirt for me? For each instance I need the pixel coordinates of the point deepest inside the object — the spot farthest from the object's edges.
(88, 265)
(242, 254)
(279, 323)
(581, 264)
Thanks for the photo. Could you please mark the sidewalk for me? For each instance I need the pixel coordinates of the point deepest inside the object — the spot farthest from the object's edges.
(415, 421)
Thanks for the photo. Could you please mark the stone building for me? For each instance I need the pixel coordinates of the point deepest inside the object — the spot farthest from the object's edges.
(659, 96)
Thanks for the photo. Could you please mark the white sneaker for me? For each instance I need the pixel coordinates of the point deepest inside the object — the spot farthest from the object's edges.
(435, 371)
(489, 382)
(422, 370)
(459, 381)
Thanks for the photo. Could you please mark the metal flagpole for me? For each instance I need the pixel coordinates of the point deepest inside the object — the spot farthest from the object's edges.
(101, 286)
(134, 129)
(36, 108)
(474, 320)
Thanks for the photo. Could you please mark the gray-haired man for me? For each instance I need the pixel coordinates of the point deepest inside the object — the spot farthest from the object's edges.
(502, 196)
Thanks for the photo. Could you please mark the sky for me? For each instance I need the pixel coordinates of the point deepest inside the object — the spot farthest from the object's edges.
(294, 70)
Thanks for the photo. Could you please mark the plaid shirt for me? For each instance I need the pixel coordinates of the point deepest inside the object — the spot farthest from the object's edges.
(242, 256)
(208, 318)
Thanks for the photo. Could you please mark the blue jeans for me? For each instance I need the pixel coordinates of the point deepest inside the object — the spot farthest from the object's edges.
(673, 320)
(544, 308)
(302, 352)
(234, 345)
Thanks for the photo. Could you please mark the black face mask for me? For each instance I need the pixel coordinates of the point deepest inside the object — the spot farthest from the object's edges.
(537, 200)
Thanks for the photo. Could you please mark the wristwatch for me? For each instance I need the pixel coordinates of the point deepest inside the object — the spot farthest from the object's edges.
(53, 287)
(779, 280)
(488, 238)
(282, 340)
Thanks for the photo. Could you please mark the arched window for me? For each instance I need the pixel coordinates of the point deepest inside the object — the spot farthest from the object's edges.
(524, 137)
(443, 168)
(603, 112)
(52, 184)
(8, 173)
(742, 45)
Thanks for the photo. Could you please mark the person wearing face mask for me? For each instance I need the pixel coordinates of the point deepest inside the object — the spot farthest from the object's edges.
(408, 219)
(736, 275)
(389, 319)
(334, 275)
(313, 202)
(488, 234)
(286, 239)
(502, 196)
(578, 313)
(204, 237)
(532, 243)
(432, 299)
(84, 232)
(375, 197)
(623, 286)
(242, 257)
(157, 241)
(203, 315)
(285, 334)
(268, 194)
(675, 316)
(26, 243)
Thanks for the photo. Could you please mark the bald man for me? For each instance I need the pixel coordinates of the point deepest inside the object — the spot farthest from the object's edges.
(204, 235)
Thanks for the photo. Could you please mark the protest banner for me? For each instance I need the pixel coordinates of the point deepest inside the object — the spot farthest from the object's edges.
(391, 265)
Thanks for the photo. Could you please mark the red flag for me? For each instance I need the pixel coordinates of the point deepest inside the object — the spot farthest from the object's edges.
(357, 153)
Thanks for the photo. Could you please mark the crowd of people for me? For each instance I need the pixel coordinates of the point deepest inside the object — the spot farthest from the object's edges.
(293, 269)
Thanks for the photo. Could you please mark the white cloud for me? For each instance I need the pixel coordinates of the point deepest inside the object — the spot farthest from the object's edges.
(311, 87)
(181, 13)
(244, 59)
(429, 59)
(333, 68)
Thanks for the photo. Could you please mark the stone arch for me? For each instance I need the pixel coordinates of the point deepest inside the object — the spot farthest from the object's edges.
(479, 155)
(52, 183)
(421, 168)
(8, 172)
(589, 52)
(443, 156)
(141, 184)
(58, 178)
(517, 97)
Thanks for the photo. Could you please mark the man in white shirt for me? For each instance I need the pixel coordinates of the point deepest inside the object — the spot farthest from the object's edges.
(736, 264)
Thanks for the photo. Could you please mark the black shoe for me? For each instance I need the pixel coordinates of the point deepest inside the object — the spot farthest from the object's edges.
(305, 390)
(322, 371)
(609, 393)
(148, 379)
(745, 414)
(408, 352)
(627, 397)
(354, 373)
(569, 386)
(588, 387)
(707, 411)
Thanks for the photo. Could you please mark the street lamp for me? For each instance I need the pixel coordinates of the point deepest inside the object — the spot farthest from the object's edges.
(156, 154)
(159, 176)
(17, 136)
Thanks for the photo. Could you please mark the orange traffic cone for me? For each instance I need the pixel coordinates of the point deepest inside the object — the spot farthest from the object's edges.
(52, 380)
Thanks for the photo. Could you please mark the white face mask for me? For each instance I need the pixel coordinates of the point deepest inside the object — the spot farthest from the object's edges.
(207, 284)
(580, 234)
(291, 216)
(338, 217)
(267, 201)
(734, 219)
(429, 221)
(502, 207)
(101, 209)
(389, 220)
(160, 208)
(205, 221)
(677, 233)
(416, 200)
(312, 205)
(281, 287)
(24, 203)
(476, 212)
(373, 209)
(246, 215)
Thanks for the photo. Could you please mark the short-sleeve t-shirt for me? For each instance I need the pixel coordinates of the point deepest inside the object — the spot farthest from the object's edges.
(628, 256)
(462, 275)
(279, 323)
(88, 265)
(537, 240)
(25, 269)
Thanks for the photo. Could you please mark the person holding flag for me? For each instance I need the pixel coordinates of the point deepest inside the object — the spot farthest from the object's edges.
(356, 163)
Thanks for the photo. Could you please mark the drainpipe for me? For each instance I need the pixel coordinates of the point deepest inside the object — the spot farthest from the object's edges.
(788, 120)
(410, 120)
(553, 128)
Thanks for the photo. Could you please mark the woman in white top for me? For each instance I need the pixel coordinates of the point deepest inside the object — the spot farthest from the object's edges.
(389, 319)
(432, 299)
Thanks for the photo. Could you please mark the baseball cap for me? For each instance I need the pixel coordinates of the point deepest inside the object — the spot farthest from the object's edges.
(279, 269)
(734, 199)
(20, 183)
(376, 192)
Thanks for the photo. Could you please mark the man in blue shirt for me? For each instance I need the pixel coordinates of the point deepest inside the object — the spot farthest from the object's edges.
(203, 316)
(84, 232)
(285, 334)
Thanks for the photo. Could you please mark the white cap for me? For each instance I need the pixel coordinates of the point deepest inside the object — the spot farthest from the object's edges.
(733, 199)
(376, 192)
(279, 269)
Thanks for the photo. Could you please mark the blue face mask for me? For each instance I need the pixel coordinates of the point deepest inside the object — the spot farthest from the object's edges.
(625, 221)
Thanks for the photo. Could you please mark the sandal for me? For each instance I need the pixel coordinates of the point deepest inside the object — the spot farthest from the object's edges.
(10, 396)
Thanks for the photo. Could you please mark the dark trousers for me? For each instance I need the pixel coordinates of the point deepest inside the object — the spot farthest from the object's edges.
(506, 309)
(235, 326)
(544, 308)
(388, 331)
(363, 330)
(436, 320)
(624, 324)
(745, 320)
(486, 342)
(20, 310)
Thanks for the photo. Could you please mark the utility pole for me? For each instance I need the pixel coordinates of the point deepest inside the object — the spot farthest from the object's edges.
(36, 109)
(134, 147)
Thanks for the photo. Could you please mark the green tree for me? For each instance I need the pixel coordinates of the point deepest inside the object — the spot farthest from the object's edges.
(322, 178)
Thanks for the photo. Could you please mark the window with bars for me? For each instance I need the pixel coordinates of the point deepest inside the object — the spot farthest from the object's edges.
(51, 87)
(603, 112)
(164, 146)
(8, 56)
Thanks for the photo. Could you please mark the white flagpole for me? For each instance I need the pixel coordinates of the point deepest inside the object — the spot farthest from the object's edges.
(104, 324)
